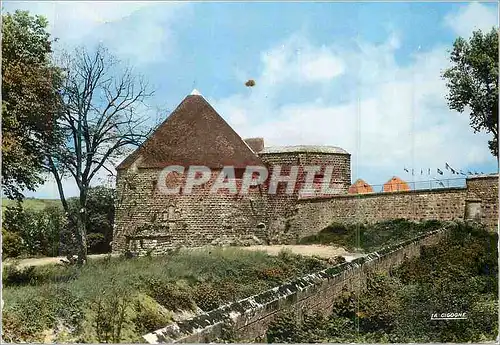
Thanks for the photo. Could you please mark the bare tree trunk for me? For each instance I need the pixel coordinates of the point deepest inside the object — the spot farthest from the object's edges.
(82, 226)
(100, 121)
(82, 238)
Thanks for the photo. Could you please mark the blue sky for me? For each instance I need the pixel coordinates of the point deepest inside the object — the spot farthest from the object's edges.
(364, 76)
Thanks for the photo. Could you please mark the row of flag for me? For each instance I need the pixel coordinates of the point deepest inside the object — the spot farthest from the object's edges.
(440, 172)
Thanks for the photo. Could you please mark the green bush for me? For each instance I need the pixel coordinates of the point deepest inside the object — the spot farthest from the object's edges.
(110, 312)
(148, 316)
(100, 218)
(39, 229)
(28, 313)
(170, 295)
(12, 244)
(207, 297)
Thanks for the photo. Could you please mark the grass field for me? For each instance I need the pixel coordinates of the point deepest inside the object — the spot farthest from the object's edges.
(119, 300)
(32, 203)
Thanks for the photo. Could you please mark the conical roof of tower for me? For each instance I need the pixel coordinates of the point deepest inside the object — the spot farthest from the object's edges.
(194, 134)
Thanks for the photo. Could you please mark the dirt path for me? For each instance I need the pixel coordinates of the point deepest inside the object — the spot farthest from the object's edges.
(308, 250)
(46, 261)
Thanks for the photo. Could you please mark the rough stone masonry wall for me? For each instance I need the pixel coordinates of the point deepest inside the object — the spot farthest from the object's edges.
(311, 216)
(251, 317)
(282, 205)
(147, 220)
(314, 215)
(485, 190)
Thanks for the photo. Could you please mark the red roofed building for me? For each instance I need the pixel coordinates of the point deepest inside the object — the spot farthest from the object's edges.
(395, 184)
(360, 187)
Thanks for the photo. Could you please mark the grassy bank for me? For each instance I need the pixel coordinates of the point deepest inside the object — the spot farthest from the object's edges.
(119, 300)
(369, 238)
(458, 275)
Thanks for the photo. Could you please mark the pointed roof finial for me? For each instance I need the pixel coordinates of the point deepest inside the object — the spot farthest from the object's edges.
(195, 93)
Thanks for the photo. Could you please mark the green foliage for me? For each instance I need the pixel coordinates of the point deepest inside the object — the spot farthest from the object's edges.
(473, 82)
(31, 102)
(42, 228)
(284, 329)
(39, 230)
(371, 237)
(28, 314)
(206, 296)
(148, 315)
(12, 244)
(459, 274)
(12, 275)
(180, 282)
(100, 217)
(172, 296)
(110, 314)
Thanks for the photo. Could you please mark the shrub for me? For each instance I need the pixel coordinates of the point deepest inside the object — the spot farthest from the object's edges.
(12, 275)
(148, 315)
(39, 229)
(100, 217)
(170, 295)
(206, 296)
(110, 313)
(284, 329)
(12, 244)
(26, 314)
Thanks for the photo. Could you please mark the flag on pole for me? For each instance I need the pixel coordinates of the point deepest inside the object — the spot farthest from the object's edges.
(439, 171)
(429, 172)
(406, 170)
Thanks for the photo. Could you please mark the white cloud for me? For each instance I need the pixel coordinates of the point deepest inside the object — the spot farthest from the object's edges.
(395, 117)
(139, 31)
(297, 61)
(472, 17)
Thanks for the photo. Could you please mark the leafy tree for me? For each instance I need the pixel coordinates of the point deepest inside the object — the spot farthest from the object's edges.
(100, 218)
(102, 118)
(473, 82)
(38, 231)
(30, 101)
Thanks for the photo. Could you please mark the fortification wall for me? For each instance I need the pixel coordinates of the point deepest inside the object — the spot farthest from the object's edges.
(311, 216)
(315, 292)
(484, 190)
(155, 222)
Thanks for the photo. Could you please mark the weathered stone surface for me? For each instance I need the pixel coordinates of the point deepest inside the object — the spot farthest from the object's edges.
(148, 221)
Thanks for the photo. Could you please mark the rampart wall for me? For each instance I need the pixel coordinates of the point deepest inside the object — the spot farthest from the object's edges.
(313, 215)
(250, 317)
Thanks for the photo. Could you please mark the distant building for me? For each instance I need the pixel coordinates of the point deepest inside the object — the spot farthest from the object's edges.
(395, 184)
(360, 187)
